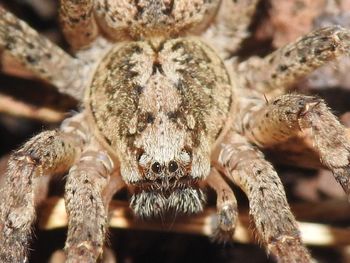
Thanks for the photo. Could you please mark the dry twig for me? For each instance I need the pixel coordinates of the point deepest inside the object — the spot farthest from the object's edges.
(10, 105)
(53, 216)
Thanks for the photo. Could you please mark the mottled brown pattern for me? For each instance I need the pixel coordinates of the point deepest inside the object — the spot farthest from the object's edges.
(131, 85)
(295, 60)
(50, 152)
(167, 112)
(134, 19)
(78, 23)
(38, 54)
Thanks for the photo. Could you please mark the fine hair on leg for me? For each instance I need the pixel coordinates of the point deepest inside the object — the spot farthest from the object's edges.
(85, 204)
(245, 165)
(48, 153)
(287, 116)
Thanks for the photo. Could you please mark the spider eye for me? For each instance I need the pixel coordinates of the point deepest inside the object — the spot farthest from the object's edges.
(173, 166)
(156, 168)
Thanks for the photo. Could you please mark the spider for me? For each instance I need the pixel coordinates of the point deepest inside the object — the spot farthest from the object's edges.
(166, 111)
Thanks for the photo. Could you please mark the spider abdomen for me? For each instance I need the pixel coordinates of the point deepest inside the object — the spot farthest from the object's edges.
(125, 20)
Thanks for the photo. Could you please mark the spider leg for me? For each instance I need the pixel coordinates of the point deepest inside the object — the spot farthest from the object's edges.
(290, 115)
(78, 22)
(47, 153)
(274, 73)
(228, 31)
(59, 256)
(226, 205)
(85, 204)
(39, 55)
(276, 226)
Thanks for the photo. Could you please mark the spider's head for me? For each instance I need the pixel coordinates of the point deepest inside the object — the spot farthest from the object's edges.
(161, 107)
(166, 169)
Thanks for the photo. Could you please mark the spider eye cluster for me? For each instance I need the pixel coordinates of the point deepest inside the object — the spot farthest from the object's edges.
(183, 159)
(157, 167)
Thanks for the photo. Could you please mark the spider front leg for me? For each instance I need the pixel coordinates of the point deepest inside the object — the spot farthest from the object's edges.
(288, 115)
(282, 68)
(86, 205)
(48, 153)
(228, 31)
(40, 56)
(245, 166)
(78, 22)
(226, 205)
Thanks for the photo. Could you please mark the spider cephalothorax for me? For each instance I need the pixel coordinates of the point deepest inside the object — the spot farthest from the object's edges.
(159, 106)
(166, 113)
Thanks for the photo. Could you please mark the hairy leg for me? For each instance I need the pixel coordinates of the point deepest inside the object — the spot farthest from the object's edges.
(289, 115)
(59, 256)
(282, 68)
(226, 205)
(227, 31)
(85, 204)
(39, 55)
(45, 154)
(78, 22)
(245, 166)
